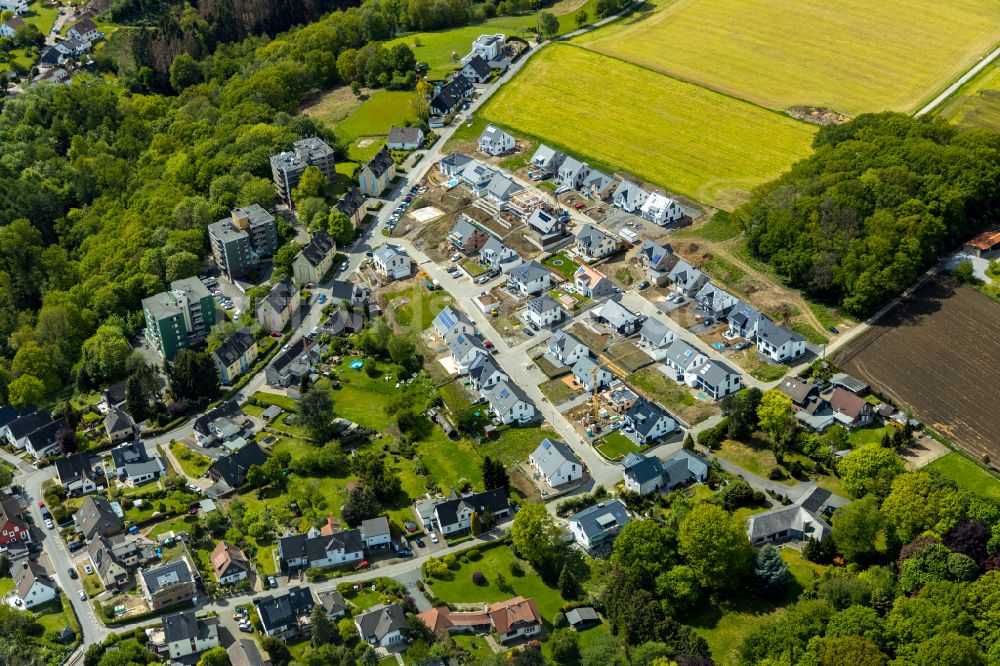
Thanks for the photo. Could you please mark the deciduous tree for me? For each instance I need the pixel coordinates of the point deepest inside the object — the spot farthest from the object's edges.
(869, 469)
(716, 547)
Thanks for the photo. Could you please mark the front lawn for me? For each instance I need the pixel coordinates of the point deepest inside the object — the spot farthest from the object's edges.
(758, 369)
(967, 474)
(556, 390)
(617, 445)
(562, 264)
(494, 561)
(92, 584)
(861, 436)
(516, 444)
(473, 267)
(193, 464)
(756, 459)
(415, 308)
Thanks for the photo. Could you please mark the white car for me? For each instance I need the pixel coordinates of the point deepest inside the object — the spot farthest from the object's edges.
(48, 523)
(434, 538)
(88, 569)
(82, 595)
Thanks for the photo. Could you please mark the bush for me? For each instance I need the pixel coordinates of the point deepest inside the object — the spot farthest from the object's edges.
(473, 554)
(712, 438)
(435, 568)
(478, 578)
(776, 474)
(516, 569)
(451, 561)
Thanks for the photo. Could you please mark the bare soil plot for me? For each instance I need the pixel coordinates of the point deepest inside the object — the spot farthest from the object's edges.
(678, 400)
(588, 336)
(937, 353)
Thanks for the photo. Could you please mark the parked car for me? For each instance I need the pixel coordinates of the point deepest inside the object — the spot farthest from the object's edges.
(275, 334)
(579, 205)
(49, 524)
(834, 330)
(246, 627)
(82, 595)
(644, 284)
(434, 538)
(74, 546)
(488, 344)
(73, 574)
(741, 345)
(363, 564)
(420, 542)
(528, 331)
(343, 266)
(87, 569)
(322, 299)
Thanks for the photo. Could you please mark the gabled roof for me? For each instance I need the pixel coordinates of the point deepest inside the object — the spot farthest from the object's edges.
(234, 347)
(642, 468)
(381, 163)
(282, 295)
(448, 318)
(83, 26)
(685, 274)
(654, 330)
(656, 255)
(505, 395)
(682, 466)
(404, 135)
(28, 423)
(496, 500)
(502, 187)
(450, 95)
(456, 160)
(379, 621)
(388, 252)
(590, 237)
(544, 303)
(715, 373)
(180, 626)
(45, 436)
(849, 383)
(74, 468)
(588, 275)
(597, 180)
(492, 135)
(529, 272)
(581, 615)
(681, 354)
(797, 389)
(777, 335)
(565, 341)
(321, 244)
(462, 344)
(228, 409)
(226, 555)
(484, 366)
(543, 221)
(644, 415)
(847, 403)
(26, 574)
(617, 314)
(373, 527)
(244, 652)
(744, 314)
(551, 455)
(165, 575)
(546, 157)
(716, 299)
(233, 468)
(284, 609)
(463, 230)
(510, 614)
(631, 192)
(571, 166)
(479, 66)
(584, 369)
(332, 602)
(803, 515)
(95, 515)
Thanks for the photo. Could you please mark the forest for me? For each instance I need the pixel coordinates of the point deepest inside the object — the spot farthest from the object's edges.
(105, 193)
(880, 200)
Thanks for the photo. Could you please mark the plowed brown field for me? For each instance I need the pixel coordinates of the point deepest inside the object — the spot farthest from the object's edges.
(938, 353)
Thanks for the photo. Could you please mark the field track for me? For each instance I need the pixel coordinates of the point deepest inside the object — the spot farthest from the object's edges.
(937, 353)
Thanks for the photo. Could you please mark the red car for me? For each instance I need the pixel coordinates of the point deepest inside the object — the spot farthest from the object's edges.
(275, 335)
(363, 564)
(488, 344)
(41, 504)
(580, 206)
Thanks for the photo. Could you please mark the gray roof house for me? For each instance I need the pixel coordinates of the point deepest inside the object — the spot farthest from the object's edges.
(642, 474)
(544, 223)
(499, 256)
(800, 520)
(484, 372)
(467, 237)
(683, 359)
(716, 302)
(617, 316)
(501, 188)
(744, 321)
(494, 141)
(451, 319)
(655, 337)
(718, 379)
(544, 311)
(779, 343)
(453, 164)
(556, 463)
(593, 243)
(404, 138)
(279, 616)
(382, 625)
(547, 159)
(683, 467)
(477, 69)
(565, 348)
(584, 370)
(531, 278)
(598, 524)
(572, 173)
(167, 584)
(392, 262)
(649, 421)
(629, 197)
(464, 348)
(596, 184)
(509, 403)
(96, 517)
(686, 277)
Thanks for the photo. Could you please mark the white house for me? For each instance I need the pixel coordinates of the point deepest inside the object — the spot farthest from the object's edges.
(588, 373)
(509, 404)
(642, 474)
(629, 196)
(16, 6)
(392, 262)
(9, 29)
(655, 337)
(744, 321)
(487, 47)
(186, 635)
(593, 243)
(405, 138)
(498, 256)
(85, 30)
(615, 315)
(661, 210)
(649, 421)
(599, 523)
(573, 172)
(531, 278)
(683, 359)
(718, 379)
(451, 319)
(592, 283)
(779, 343)
(566, 349)
(544, 311)
(556, 463)
(455, 514)
(382, 625)
(494, 141)
(229, 564)
(477, 70)
(484, 373)
(32, 586)
(688, 279)
(547, 159)
(464, 349)
(320, 551)
(375, 533)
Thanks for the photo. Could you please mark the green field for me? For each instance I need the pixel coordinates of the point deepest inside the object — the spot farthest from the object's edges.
(617, 445)
(693, 141)
(850, 56)
(193, 464)
(967, 474)
(416, 307)
(977, 103)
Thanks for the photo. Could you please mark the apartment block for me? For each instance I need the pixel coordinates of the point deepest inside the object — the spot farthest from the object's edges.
(179, 318)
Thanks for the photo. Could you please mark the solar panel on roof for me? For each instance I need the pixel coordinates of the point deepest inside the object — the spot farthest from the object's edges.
(504, 393)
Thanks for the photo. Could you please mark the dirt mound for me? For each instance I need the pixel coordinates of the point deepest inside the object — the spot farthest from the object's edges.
(817, 115)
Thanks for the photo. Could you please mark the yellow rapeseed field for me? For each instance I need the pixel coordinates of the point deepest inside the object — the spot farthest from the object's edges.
(850, 56)
(692, 141)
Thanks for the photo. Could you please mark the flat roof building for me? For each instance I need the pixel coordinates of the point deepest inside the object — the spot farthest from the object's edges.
(287, 167)
(240, 242)
(179, 318)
